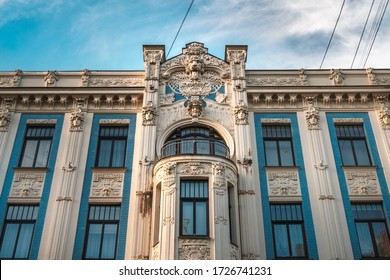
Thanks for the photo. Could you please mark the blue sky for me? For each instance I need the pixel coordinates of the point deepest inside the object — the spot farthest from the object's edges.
(40, 35)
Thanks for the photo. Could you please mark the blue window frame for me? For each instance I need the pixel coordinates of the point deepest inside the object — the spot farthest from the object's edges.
(36, 147)
(353, 146)
(18, 231)
(112, 146)
(372, 230)
(278, 145)
(102, 232)
(194, 198)
(288, 231)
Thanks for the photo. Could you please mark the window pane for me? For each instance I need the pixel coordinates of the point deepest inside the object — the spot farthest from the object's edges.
(43, 153)
(381, 239)
(203, 147)
(104, 153)
(346, 152)
(365, 242)
(109, 241)
(187, 218)
(271, 153)
(24, 241)
(93, 241)
(296, 239)
(201, 218)
(29, 153)
(286, 156)
(361, 152)
(9, 239)
(119, 153)
(281, 241)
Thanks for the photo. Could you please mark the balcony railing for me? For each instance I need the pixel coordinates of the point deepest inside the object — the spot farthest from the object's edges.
(195, 147)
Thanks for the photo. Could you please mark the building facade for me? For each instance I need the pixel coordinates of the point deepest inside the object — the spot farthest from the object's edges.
(195, 157)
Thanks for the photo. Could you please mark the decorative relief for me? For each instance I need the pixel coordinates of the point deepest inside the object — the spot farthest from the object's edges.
(218, 169)
(14, 81)
(194, 168)
(168, 221)
(194, 107)
(167, 99)
(234, 254)
(114, 121)
(241, 113)
(220, 220)
(169, 170)
(42, 121)
(194, 52)
(337, 77)
(51, 78)
(275, 121)
(193, 249)
(383, 112)
(85, 78)
(5, 119)
(373, 79)
(348, 120)
(115, 82)
(361, 183)
(274, 81)
(144, 202)
(27, 185)
(156, 251)
(312, 115)
(149, 114)
(237, 59)
(107, 185)
(283, 183)
(76, 120)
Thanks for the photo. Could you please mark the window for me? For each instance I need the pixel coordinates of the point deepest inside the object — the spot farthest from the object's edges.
(36, 148)
(372, 230)
(288, 231)
(195, 140)
(352, 145)
(102, 232)
(278, 145)
(18, 231)
(194, 208)
(112, 146)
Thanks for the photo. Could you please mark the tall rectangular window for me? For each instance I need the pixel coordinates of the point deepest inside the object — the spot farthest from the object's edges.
(112, 146)
(18, 231)
(102, 232)
(37, 145)
(353, 145)
(278, 145)
(372, 230)
(194, 198)
(288, 231)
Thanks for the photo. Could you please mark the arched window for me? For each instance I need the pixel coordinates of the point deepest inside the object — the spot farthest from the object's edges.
(195, 140)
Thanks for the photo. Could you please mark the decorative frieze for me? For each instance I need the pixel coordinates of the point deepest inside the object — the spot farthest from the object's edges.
(41, 121)
(13, 81)
(283, 183)
(106, 184)
(362, 182)
(348, 120)
(194, 249)
(115, 82)
(114, 121)
(27, 184)
(275, 121)
(194, 168)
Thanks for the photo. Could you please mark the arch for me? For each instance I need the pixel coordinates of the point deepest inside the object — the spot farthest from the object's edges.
(221, 130)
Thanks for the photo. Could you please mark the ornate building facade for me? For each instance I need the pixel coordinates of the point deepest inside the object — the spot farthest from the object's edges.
(195, 157)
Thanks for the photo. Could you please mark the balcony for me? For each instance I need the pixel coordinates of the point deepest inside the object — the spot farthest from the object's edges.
(195, 147)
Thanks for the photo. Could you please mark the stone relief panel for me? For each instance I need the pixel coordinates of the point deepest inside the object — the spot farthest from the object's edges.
(27, 185)
(362, 183)
(283, 183)
(107, 185)
(194, 168)
(234, 254)
(115, 82)
(194, 249)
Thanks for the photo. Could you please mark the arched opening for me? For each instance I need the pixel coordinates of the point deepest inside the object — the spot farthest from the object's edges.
(201, 140)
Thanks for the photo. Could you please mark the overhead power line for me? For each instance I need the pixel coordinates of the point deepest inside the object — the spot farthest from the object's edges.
(331, 37)
(376, 32)
(361, 36)
(178, 31)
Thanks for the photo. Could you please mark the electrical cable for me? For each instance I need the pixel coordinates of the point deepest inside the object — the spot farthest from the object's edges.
(379, 26)
(361, 36)
(178, 31)
(331, 37)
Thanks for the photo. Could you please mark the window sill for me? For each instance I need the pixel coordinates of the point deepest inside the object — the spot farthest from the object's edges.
(194, 237)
